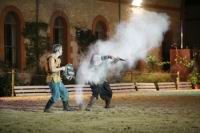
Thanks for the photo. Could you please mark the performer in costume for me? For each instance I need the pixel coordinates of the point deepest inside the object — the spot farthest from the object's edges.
(101, 88)
(54, 81)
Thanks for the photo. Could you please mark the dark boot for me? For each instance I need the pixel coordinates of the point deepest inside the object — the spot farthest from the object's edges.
(48, 106)
(66, 106)
(107, 103)
(91, 102)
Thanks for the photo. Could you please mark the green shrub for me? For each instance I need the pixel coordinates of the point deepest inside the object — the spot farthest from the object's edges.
(38, 80)
(194, 77)
(153, 64)
(148, 77)
(5, 84)
(36, 42)
(153, 77)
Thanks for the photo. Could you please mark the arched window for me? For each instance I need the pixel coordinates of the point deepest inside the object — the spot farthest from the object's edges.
(58, 31)
(101, 30)
(100, 27)
(11, 33)
(60, 35)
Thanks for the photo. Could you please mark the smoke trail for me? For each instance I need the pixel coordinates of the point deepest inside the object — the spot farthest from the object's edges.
(132, 41)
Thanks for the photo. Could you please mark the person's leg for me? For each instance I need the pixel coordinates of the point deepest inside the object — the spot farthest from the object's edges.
(65, 97)
(107, 103)
(55, 95)
(106, 94)
(90, 103)
(48, 106)
(93, 98)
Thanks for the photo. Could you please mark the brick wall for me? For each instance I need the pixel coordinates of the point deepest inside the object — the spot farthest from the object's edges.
(82, 13)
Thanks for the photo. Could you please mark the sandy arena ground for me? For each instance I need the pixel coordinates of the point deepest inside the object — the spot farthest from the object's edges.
(133, 112)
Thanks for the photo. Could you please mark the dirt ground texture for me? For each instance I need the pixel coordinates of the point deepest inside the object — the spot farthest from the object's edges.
(172, 111)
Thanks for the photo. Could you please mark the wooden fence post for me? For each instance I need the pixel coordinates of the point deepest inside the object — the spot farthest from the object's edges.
(13, 81)
(177, 80)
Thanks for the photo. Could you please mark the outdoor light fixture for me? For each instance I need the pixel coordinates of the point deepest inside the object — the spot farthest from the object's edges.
(136, 3)
(136, 6)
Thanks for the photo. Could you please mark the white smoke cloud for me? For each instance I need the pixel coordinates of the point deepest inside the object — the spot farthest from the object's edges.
(132, 41)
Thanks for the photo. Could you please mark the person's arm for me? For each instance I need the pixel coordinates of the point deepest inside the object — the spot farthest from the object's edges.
(52, 66)
(105, 57)
(114, 59)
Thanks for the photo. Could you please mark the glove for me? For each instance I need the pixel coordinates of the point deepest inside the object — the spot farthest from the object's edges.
(69, 77)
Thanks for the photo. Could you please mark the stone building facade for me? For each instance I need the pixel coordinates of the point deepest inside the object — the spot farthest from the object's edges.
(62, 16)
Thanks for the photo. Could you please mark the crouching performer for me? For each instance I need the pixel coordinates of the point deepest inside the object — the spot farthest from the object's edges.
(101, 88)
(54, 81)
